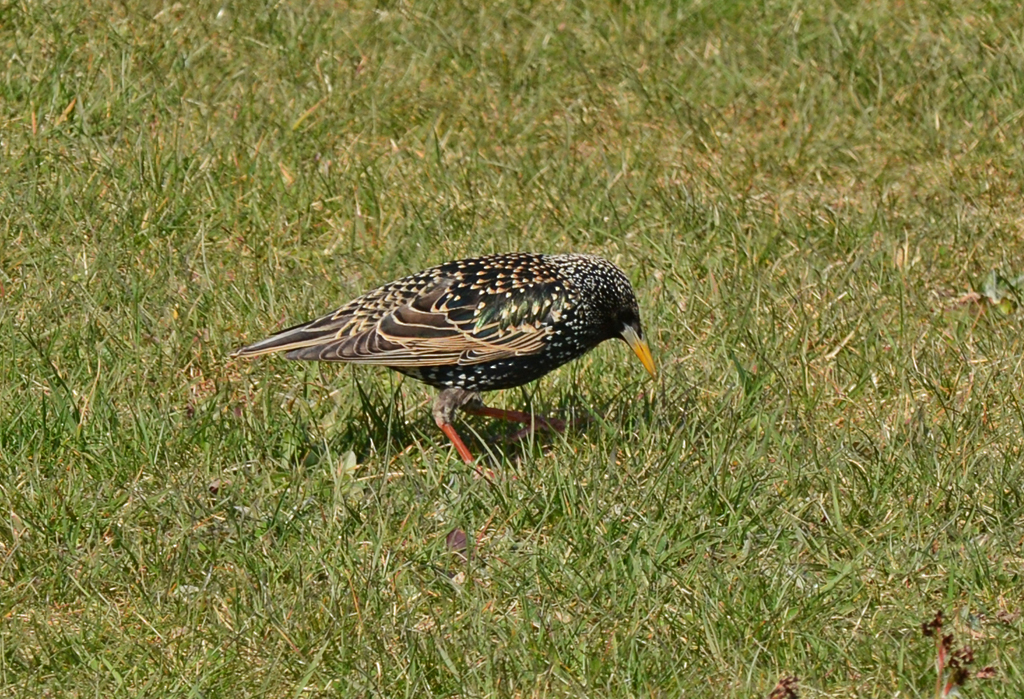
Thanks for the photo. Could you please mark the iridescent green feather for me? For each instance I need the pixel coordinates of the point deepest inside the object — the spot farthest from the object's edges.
(531, 305)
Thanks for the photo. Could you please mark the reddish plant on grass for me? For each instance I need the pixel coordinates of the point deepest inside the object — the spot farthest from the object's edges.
(786, 688)
(955, 660)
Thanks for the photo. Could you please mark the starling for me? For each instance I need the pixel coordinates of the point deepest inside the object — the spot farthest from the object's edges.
(475, 325)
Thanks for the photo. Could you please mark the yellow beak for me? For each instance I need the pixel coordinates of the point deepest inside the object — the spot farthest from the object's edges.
(639, 346)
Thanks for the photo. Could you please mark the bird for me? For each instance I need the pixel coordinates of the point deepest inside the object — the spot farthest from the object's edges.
(477, 324)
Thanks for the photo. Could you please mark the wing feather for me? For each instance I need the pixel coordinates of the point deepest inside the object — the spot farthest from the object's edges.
(427, 320)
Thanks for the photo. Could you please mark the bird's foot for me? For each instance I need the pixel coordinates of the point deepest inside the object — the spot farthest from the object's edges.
(532, 423)
(549, 424)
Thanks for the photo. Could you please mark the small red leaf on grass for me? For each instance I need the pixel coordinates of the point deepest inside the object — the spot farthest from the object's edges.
(786, 688)
(457, 541)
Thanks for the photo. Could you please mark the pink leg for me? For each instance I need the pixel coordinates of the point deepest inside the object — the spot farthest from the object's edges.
(460, 446)
(531, 421)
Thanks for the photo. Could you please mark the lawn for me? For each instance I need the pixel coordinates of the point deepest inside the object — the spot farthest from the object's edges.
(819, 206)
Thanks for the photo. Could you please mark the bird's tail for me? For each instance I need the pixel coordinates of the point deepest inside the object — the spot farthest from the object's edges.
(293, 338)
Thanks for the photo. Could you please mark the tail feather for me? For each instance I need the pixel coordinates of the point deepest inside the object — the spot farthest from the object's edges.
(293, 338)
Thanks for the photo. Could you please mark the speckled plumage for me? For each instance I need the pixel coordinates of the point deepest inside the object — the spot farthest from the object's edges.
(478, 324)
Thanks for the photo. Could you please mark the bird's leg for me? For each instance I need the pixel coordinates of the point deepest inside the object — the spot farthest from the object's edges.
(447, 403)
(451, 400)
(531, 421)
(460, 446)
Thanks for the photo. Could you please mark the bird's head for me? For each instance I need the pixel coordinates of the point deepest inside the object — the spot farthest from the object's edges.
(630, 330)
(607, 298)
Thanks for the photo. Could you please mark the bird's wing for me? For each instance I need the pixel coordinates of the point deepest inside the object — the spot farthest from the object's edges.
(441, 323)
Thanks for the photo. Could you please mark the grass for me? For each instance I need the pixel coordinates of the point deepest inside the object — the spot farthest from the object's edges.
(803, 195)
